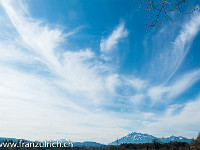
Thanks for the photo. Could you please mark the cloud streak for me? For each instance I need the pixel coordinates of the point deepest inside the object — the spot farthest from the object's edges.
(107, 45)
(170, 52)
(26, 95)
(41, 82)
(185, 122)
(178, 87)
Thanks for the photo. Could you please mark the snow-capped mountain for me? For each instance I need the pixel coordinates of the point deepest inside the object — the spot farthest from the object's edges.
(174, 138)
(130, 138)
(146, 138)
(134, 138)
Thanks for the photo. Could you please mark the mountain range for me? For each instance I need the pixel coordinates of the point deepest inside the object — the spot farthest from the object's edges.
(133, 137)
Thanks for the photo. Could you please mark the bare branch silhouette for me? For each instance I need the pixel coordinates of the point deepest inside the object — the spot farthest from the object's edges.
(160, 9)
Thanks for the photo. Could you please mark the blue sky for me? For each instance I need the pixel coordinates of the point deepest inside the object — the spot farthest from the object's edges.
(90, 71)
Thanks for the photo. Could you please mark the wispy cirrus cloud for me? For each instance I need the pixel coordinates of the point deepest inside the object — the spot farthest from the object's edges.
(137, 99)
(37, 77)
(52, 88)
(170, 52)
(138, 84)
(184, 40)
(43, 43)
(109, 43)
(176, 121)
(161, 92)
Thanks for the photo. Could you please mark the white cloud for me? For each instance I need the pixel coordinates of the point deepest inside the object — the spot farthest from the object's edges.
(185, 122)
(40, 39)
(74, 31)
(183, 41)
(137, 99)
(112, 82)
(107, 45)
(76, 72)
(136, 83)
(169, 92)
(62, 98)
(169, 51)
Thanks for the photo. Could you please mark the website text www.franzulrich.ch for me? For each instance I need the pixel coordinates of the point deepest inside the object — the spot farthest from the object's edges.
(36, 144)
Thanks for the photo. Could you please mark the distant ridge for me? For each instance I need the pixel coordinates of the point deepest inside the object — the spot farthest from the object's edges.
(133, 137)
(3, 139)
(136, 138)
(75, 144)
(88, 144)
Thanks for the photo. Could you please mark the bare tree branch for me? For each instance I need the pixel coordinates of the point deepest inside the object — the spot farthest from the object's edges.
(161, 9)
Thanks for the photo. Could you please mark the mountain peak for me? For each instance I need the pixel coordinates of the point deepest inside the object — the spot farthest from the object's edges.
(135, 137)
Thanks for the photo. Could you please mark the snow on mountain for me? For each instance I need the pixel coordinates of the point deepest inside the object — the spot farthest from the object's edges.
(133, 137)
(146, 138)
(174, 138)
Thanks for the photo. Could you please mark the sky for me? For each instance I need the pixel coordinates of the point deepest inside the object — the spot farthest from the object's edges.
(90, 71)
